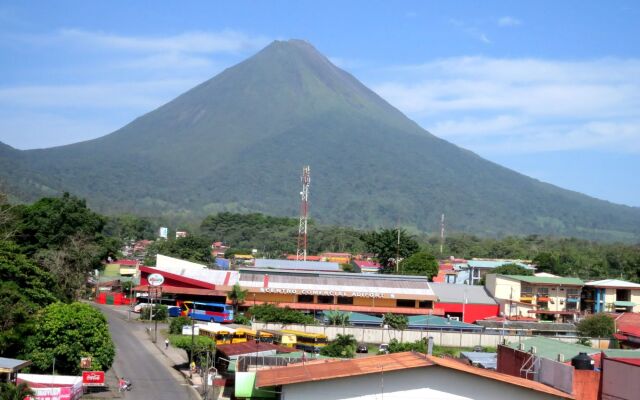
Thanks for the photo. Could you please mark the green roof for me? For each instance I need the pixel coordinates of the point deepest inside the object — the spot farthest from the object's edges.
(360, 318)
(620, 353)
(624, 304)
(550, 348)
(246, 387)
(547, 280)
(435, 322)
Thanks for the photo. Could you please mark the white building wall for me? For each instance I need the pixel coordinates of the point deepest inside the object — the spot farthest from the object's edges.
(432, 383)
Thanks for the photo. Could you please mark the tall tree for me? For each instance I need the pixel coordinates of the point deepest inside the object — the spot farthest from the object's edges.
(237, 295)
(386, 247)
(68, 332)
(21, 391)
(420, 263)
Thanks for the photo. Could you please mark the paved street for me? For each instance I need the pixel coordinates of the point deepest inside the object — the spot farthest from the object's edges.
(140, 361)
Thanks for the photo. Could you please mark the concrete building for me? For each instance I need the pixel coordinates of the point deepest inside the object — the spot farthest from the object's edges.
(611, 295)
(620, 379)
(293, 265)
(551, 298)
(467, 303)
(400, 376)
(471, 272)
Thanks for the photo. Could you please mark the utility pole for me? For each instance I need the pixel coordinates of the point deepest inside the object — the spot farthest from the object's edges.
(192, 341)
(441, 234)
(301, 253)
(398, 252)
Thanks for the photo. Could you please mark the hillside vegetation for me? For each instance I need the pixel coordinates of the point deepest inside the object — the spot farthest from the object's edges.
(238, 141)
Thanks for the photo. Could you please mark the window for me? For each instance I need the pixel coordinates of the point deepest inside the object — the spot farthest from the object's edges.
(325, 299)
(526, 290)
(305, 298)
(345, 300)
(623, 295)
(543, 291)
(406, 303)
(425, 304)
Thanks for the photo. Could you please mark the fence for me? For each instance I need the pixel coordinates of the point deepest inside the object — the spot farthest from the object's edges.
(441, 338)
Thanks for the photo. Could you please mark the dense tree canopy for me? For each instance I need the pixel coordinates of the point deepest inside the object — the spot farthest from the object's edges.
(597, 326)
(192, 248)
(343, 346)
(389, 244)
(68, 332)
(420, 263)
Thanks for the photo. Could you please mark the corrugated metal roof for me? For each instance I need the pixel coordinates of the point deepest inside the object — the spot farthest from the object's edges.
(386, 363)
(613, 283)
(236, 349)
(550, 348)
(297, 265)
(546, 280)
(360, 318)
(528, 325)
(194, 271)
(456, 293)
(12, 364)
(435, 322)
(489, 264)
(338, 369)
(393, 285)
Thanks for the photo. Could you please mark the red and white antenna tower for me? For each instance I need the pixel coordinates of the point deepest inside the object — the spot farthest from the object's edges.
(301, 254)
(441, 234)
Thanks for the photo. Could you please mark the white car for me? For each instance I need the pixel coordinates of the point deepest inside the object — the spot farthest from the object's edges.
(139, 307)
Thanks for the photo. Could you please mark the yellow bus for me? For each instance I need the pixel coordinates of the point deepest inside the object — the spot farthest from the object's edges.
(251, 335)
(221, 334)
(310, 342)
(282, 339)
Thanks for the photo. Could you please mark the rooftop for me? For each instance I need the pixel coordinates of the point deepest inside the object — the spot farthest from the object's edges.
(387, 363)
(236, 349)
(297, 265)
(455, 293)
(613, 283)
(8, 365)
(546, 280)
(435, 322)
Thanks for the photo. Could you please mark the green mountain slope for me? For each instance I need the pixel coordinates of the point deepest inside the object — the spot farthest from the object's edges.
(238, 142)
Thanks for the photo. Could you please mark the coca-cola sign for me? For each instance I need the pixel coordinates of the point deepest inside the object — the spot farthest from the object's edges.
(93, 378)
(155, 279)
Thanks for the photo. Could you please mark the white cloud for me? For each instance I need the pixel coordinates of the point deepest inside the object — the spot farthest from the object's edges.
(470, 30)
(144, 95)
(188, 42)
(523, 104)
(508, 21)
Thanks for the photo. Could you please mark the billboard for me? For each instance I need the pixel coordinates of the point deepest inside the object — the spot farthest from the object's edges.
(164, 232)
(93, 378)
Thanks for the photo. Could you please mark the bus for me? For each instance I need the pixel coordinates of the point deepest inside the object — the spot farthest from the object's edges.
(220, 334)
(210, 312)
(282, 339)
(249, 335)
(310, 342)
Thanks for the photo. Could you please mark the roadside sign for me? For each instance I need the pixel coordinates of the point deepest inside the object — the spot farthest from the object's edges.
(85, 363)
(155, 279)
(155, 292)
(92, 378)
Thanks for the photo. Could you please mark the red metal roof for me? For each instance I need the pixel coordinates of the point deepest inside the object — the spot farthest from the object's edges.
(385, 363)
(631, 361)
(236, 349)
(368, 264)
(151, 270)
(629, 330)
(183, 290)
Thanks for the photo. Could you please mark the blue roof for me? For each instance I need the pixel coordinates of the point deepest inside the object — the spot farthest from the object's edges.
(298, 265)
(356, 318)
(494, 263)
(222, 263)
(436, 323)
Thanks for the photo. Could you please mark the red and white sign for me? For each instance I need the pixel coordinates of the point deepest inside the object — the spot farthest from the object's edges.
(93, 378)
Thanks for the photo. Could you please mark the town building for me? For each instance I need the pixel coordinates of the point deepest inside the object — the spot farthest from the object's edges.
(319, 291)
(464, 302)
(547, 297)
(297, 265)
(367, 266)
(620, 379)
(611, 295)
(471, 272)
(399, 376)
(9, 368)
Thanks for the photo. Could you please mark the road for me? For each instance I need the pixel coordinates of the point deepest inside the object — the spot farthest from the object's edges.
(138, 360)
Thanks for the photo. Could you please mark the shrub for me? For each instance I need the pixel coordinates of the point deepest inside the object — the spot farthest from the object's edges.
(175, 327)
(242, 320)
(343, 346)
(396, 321)
(160, 312)
(271, 313)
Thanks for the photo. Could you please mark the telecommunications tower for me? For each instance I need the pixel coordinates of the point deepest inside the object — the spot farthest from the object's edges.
(441, 234)
(301, 254)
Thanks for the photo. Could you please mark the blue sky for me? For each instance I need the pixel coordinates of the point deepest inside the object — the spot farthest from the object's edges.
(550, 89)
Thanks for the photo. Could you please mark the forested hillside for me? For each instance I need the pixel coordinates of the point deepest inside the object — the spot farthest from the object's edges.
(238, 141)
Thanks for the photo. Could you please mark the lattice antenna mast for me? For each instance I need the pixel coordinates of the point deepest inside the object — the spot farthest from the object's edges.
(301, 254)
(441, 233)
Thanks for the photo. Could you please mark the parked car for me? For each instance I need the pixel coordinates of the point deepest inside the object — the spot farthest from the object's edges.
(138, 307)
(383, 348)
(362, 348)
(174, 311)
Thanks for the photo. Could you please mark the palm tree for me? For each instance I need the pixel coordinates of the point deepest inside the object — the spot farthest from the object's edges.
(9, 391)
(237, 296)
